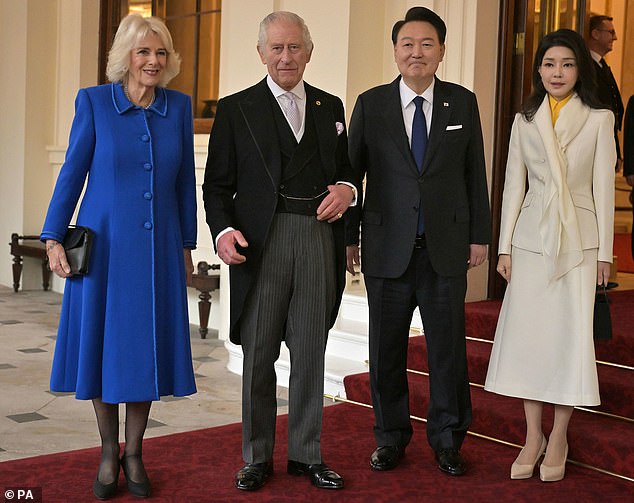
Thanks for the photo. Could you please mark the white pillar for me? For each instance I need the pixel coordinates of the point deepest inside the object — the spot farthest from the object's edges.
(27, 79)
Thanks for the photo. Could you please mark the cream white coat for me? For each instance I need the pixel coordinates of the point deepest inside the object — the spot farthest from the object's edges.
(569, 205)
(555, 232)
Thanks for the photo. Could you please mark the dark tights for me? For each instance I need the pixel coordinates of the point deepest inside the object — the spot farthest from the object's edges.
(136, 417)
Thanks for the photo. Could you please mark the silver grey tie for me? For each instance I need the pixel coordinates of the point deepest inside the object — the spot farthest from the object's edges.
(292, 112)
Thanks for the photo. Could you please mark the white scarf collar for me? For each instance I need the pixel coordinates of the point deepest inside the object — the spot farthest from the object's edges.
(558, 228)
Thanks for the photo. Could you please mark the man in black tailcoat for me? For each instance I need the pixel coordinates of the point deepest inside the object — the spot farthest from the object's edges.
(277, 182)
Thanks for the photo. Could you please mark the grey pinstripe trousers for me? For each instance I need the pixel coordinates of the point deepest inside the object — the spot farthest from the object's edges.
(292, 298)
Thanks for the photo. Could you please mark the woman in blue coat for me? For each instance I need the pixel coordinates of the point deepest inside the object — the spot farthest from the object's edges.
(124, 332)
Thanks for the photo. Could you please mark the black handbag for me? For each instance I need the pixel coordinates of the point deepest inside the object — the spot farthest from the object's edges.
(602, 323)
(77, 245)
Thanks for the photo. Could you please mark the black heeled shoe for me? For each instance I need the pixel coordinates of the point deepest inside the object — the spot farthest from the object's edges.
(106, 491)
(138, 489)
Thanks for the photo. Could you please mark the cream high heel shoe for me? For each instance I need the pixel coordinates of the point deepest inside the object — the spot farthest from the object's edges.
(553, 473)
(526, 471)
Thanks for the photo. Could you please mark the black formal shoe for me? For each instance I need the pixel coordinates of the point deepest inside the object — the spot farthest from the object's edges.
(320, 474)
(105, 491)
(138, 489)
(252, 476)
(386, 457)
(450, 461)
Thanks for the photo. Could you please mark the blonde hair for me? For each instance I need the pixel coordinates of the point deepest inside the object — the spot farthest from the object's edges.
(132, 29)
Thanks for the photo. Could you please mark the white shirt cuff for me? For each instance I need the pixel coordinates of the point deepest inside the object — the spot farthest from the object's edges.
(354, 192)
(222, 233)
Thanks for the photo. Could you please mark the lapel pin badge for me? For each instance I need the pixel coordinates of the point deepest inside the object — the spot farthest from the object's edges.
(445, 104)
(317, 102)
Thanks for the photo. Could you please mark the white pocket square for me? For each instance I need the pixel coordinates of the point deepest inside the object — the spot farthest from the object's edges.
(451, 128)
(339, 127)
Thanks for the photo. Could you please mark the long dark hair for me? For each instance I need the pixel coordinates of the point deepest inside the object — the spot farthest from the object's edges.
(586, 80)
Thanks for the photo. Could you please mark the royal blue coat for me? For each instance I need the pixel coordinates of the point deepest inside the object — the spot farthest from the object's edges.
(124, 330)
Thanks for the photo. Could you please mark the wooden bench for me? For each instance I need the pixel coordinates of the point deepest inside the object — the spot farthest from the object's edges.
(205, 283)
(28, 246)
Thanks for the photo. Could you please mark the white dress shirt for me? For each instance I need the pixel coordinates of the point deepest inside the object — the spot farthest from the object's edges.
(597, 57)
(408, 107)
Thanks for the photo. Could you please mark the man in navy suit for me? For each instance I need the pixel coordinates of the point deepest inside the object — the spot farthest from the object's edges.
(601, 38)
(425, 220)
(277, 182)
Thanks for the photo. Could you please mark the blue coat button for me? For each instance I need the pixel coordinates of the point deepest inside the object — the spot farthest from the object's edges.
(147, 195)
(145, 138)
(148, 225)
(147, 166)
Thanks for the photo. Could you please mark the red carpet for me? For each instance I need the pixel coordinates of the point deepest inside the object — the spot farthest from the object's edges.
(199, 466)
(598, 440)
(623, 250)
(617, 389)
(602, 442)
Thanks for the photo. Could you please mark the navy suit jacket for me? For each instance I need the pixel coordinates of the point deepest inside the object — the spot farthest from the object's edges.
(608, 94)
(452, 186)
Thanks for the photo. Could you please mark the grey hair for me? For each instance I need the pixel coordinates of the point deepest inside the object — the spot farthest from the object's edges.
(284, 16)
(133, 28)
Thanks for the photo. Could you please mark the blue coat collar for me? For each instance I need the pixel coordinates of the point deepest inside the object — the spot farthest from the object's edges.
(122, 104)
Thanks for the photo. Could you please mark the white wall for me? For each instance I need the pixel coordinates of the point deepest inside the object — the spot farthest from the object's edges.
(482, 48)
(28, 31)
(12, 123)
(240, 65)
(330, 33)
(367, 45)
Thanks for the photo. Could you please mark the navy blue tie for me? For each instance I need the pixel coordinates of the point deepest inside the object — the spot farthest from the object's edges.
(419, 145)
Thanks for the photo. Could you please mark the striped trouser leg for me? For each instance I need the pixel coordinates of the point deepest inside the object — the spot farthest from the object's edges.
(294, 288)
(312, 301)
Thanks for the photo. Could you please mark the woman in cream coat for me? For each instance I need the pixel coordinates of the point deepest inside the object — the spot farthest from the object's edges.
(558, 238)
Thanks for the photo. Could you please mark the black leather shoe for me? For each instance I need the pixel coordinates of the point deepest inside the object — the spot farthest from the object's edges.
(320, 474)
(450, 461)
(386, 457)
(138, 489)
(252, 476)
(105, 491)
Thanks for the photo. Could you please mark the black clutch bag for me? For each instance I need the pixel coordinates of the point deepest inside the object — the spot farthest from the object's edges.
(77, 245)
(602, 323)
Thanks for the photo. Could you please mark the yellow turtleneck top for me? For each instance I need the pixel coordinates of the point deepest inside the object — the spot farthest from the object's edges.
(556, 106)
